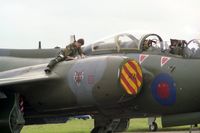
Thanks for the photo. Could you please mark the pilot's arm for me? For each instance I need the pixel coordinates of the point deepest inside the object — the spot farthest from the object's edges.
(81, 53)
(68, 54)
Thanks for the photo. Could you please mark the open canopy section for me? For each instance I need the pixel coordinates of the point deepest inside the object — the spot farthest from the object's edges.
(192, 48)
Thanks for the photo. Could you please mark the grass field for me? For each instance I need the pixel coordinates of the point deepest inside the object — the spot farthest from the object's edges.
(85, 126)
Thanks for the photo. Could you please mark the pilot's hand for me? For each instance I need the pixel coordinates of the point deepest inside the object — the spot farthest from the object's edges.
(83, 56)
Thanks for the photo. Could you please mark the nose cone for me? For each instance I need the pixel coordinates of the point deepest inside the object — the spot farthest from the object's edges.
(131, 77)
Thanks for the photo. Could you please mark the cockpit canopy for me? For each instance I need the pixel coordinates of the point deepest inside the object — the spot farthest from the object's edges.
(118, 42)
(193, 48)
(127, 41)
(153, 43)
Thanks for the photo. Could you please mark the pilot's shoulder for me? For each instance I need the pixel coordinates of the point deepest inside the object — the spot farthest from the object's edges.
(71, 46)
(68, 47)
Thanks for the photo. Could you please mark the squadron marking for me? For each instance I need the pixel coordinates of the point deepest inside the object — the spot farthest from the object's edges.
(91, 79)
(78, 77)
(131, 77)
(142, 58)
(164, 60)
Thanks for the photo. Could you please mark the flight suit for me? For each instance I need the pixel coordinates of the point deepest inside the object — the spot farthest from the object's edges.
(146, 45)
(71, 50)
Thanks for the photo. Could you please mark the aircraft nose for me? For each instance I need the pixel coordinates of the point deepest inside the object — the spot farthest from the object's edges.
(131, 77)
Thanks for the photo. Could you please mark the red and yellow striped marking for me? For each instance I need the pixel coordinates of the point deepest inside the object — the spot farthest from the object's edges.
(131, 77)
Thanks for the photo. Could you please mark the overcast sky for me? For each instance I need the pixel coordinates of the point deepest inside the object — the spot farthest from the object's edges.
(25, 22)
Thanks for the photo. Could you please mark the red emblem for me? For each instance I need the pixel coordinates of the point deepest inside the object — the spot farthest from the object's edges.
(163, 90)
(91, 79)
(142, 57)
(164, 60)
(78, 77)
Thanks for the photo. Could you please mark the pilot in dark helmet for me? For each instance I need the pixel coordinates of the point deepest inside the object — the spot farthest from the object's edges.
(177, 46)
(147, 44)
(69, 53)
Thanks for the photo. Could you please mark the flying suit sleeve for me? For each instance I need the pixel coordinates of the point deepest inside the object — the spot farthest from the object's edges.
(67, 51)
(80, 52)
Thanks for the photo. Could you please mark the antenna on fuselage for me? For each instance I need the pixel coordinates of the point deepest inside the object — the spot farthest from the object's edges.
(72, 38)
(39, 46)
